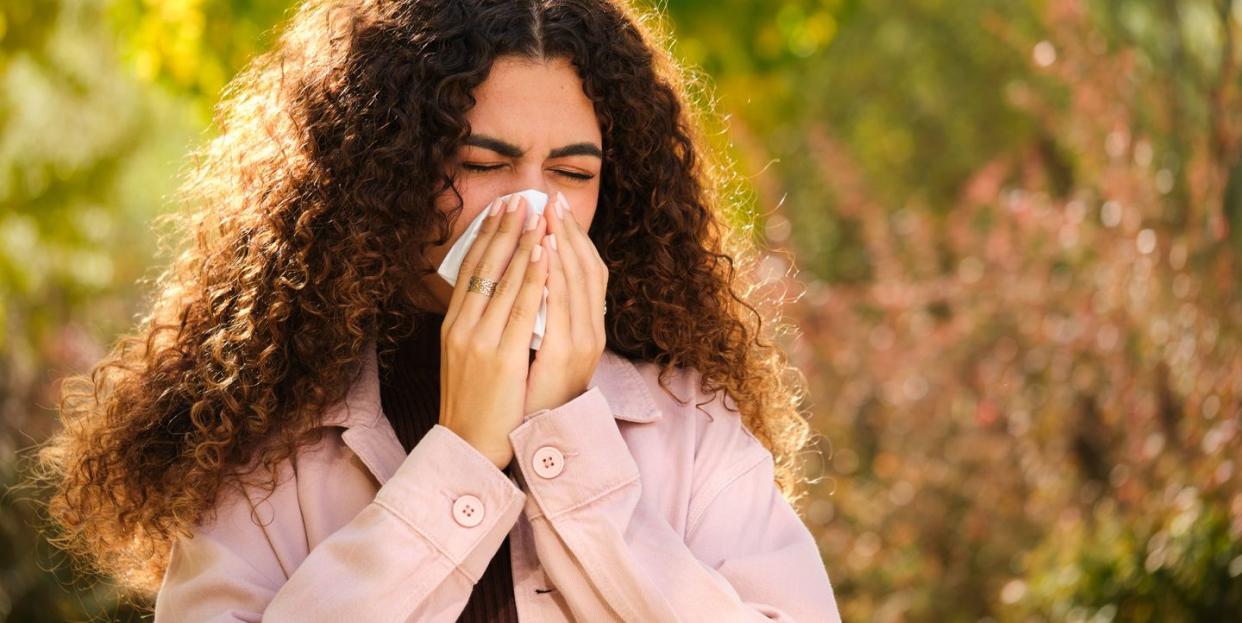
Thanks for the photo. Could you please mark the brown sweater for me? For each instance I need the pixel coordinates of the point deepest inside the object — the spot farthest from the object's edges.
(410, 397)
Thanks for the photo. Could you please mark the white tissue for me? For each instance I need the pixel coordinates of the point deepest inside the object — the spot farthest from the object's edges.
(449, 268)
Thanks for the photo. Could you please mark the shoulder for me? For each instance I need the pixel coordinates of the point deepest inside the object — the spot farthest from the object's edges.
(293, 502)
(713, 416)
(261, 526)
(708, 423)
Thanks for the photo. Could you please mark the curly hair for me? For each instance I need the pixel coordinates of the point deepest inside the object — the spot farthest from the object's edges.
(296, 224)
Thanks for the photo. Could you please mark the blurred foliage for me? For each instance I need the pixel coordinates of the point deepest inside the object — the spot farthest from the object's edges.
(86, 153)
(1009, 233)
(1117, 568)
(193, 47)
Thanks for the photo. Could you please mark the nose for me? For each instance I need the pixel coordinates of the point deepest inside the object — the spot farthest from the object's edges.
(535, 177)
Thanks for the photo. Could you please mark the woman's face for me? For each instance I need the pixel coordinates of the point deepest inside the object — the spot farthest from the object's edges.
(532, 127)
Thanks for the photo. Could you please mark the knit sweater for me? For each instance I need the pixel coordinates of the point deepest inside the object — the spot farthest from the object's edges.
(410, 398)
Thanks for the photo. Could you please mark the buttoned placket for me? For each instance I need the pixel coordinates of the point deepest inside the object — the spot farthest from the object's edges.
(380, 451)
(536, 598)
(371, 437)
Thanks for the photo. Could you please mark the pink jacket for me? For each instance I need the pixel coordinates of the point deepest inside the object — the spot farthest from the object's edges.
(629, 506)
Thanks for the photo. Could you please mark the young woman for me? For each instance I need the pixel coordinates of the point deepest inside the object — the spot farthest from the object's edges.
(312, 425)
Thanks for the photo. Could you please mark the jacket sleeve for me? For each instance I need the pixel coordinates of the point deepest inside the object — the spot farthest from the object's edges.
(402, 558)
(745, 556)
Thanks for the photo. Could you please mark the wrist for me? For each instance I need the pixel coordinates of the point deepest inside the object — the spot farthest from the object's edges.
(554, 403)
(500, 459)
(499, 456)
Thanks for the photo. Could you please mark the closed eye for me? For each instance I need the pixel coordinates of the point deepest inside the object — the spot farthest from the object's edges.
(485, 168)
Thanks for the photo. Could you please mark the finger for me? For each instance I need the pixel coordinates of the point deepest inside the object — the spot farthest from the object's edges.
(556, 330)
(496, 315)
(520, 323)
(586, 235)
(576, 288)
(473, 255)
(494, 260)
(593, 269)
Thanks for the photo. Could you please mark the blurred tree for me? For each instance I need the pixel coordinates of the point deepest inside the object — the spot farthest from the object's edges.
(910, 87)
(193, 47)
(87, 153)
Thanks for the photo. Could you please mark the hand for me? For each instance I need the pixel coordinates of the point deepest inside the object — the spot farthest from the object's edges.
(573, 340)
(485, 341)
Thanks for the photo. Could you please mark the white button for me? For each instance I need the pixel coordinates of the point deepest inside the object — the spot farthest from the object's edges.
(468, 510)
(549, 462)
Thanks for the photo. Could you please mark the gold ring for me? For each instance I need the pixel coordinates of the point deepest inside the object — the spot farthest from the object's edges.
(481, 285)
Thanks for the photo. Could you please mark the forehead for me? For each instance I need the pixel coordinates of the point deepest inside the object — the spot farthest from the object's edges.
(533, 102)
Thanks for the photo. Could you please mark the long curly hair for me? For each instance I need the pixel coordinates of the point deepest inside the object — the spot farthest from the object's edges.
(296, 226)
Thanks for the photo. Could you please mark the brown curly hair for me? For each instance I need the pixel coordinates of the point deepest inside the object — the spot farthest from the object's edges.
(296, 223)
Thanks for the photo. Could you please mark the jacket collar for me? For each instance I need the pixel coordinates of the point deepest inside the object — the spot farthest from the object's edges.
(624, 388)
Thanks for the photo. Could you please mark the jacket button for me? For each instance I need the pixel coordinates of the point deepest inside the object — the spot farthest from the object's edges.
(549, 462)
(468, 510)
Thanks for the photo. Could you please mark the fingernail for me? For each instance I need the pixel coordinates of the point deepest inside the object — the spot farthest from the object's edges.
(495, 206)
(513, 201)
(536, 253)
(560, 200)
(552, 241)
(531, 220)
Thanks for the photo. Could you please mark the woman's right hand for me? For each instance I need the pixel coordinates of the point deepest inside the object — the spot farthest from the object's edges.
(485, 341)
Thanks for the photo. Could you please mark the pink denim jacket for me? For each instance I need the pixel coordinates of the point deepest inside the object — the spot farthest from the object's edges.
(627, 506)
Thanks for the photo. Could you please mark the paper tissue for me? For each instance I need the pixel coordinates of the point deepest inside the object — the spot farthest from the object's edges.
(449, 268)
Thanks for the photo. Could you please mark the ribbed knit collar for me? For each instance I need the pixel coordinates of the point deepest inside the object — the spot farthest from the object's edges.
(421, 349)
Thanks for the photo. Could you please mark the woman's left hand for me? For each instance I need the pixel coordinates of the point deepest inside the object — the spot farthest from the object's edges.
(573, 339)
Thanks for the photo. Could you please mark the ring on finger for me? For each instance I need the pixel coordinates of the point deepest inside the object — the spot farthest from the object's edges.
(482, 285)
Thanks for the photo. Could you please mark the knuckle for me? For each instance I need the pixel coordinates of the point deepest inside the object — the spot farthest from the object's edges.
(479, 246)
(468, 265)
(558, 356)
(476, 348)
(508, 225)
(455, 340)
(483, 269)
(510, 366)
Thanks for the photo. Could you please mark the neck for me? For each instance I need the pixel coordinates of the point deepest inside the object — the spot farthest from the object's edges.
(421, 349)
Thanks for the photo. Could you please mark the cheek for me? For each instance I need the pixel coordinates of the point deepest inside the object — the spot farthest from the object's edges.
(446, 203)
(586, 216)
(583, 209)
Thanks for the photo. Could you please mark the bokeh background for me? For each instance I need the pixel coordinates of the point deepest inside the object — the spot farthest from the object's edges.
(1009, 233)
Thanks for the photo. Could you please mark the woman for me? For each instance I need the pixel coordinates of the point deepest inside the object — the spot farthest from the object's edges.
(312, 425)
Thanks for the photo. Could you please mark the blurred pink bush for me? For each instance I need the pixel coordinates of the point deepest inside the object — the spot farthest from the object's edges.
(1039, 377)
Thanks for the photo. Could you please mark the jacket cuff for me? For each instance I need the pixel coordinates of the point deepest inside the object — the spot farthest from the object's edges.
(425, 491)
(582, 435)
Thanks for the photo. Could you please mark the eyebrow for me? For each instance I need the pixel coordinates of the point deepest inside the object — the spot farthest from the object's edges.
(513, 151)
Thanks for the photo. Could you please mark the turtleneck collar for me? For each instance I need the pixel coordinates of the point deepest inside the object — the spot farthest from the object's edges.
(421, 349)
